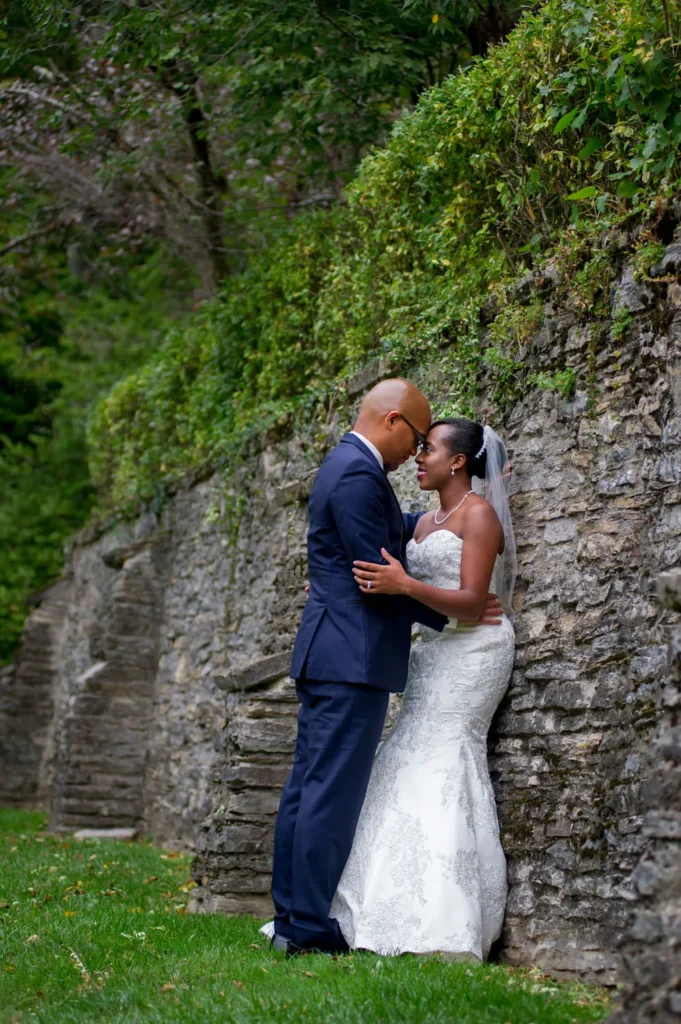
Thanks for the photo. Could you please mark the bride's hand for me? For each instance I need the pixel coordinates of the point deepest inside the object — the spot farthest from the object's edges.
(492, 613)
(381, 579)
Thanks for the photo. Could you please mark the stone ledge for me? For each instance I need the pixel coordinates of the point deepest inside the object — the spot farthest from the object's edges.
(297, 491)
(123, 834)
(257, 674)
(116, 557)
(36, 598)
(206, 902)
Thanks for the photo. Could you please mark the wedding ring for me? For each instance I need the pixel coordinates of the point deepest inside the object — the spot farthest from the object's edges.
(368, 584)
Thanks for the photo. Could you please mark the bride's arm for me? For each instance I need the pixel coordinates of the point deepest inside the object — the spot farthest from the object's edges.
(481, 539)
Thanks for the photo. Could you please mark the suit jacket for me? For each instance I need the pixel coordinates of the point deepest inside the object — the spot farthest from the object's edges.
(345, 635)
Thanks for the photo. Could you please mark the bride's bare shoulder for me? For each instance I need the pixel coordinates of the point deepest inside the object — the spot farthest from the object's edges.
(478, 511)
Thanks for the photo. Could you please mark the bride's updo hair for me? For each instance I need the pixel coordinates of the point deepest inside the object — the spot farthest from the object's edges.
(465, 438)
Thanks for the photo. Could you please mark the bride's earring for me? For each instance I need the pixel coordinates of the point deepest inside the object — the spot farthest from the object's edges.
(452, 471)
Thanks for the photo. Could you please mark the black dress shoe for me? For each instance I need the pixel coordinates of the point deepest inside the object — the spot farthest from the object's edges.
(290, 949)
(279, 942)
(286, 946)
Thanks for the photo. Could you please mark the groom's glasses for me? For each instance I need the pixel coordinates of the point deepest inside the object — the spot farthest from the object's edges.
(420, 438)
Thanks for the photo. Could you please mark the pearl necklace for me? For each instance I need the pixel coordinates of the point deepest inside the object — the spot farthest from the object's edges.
(441, 521)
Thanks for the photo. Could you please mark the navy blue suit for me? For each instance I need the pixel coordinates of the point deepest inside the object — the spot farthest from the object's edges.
(351, 651)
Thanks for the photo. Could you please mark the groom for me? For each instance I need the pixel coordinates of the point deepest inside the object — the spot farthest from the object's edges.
(350, 653)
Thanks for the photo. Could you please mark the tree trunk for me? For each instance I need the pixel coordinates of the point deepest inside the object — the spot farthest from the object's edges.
(211, 184)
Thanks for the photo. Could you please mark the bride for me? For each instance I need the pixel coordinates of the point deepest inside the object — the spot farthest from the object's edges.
(427, 872)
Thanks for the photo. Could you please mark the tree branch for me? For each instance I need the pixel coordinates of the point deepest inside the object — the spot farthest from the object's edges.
(20, 239)
(41, 98)
(249, 31)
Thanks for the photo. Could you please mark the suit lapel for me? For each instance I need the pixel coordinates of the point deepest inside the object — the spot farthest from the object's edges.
(351, 439)
(394, 497)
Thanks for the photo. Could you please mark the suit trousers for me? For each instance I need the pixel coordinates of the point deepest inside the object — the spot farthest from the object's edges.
(339, 729)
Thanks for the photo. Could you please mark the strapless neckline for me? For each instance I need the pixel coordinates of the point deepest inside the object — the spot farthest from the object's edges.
(434, 533)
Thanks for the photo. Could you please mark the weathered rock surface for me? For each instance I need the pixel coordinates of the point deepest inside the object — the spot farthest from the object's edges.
(27, 702)
(652, 946)
(172, 710)
(106, 721)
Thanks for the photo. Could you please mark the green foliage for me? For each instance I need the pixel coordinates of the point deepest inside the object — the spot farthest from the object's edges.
(509, 335)
(95, 931)
(30, 35)
(320, 76)
(620, 322)
(648, 251)
(46, 495)
(562, 381)
(474, 184)
(273, 106)
(64, 344)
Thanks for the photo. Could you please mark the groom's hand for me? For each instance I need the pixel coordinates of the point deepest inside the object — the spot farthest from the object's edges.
(492, 613)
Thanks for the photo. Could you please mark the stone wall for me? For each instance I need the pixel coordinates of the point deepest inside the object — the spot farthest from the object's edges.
(105, 728)
(652, 946)
(597, 508)
(27, 702)
(229, 600)
(173, 711)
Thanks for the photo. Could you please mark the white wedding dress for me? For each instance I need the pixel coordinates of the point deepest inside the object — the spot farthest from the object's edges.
(427, 872)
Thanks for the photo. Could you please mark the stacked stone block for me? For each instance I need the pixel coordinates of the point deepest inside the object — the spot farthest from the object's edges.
(103, 745)
(652, 946)
(27, 701)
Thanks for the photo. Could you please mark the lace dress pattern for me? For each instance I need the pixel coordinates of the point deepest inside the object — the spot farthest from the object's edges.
(427, 872)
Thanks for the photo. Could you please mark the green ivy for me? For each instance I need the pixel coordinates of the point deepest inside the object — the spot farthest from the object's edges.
(562, 381)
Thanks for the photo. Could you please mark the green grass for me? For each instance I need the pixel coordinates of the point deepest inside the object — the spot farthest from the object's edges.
(96, 931)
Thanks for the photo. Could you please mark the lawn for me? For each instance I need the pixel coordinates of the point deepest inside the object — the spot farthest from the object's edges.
(97, 931)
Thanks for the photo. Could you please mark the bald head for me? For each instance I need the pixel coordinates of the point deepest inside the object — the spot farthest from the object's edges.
(390, 415)
(393, 395)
